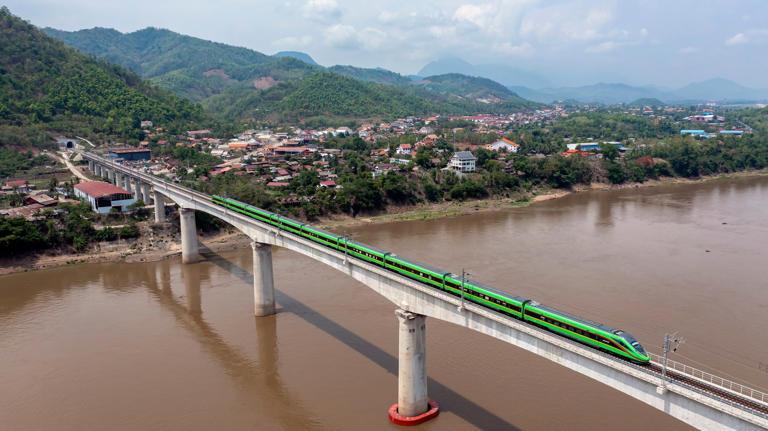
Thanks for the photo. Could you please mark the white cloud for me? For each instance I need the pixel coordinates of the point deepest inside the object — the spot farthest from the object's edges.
(478, 15)
(737, 39)
(755, 36)
(348, 37)
(322, 10)
(568, 22)
(506, 48)
(689, 50)
(603, 47)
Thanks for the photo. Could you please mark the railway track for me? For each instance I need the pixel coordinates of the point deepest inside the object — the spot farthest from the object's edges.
(678, 377)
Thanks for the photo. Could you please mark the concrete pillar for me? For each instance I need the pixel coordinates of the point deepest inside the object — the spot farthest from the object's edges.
(189, 248)
(136, 184)
(146, 195)
(119, 179)
(159, 208)
(90, 166)
(263, 279)
(97, 170)
(412, 365)
(128, 186)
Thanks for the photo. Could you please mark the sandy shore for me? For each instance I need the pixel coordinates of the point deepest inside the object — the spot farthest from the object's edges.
(154, 246)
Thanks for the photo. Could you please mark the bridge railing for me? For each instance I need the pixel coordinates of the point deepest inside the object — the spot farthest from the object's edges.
(712, 379)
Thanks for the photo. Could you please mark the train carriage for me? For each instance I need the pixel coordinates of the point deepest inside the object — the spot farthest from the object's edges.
(590, 333)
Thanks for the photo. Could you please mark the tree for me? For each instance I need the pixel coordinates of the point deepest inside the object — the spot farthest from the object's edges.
(397, 188)
(609, 151)
(423, 158)
(615, 171)
(483, 156)
(361, 194)
(52, 185)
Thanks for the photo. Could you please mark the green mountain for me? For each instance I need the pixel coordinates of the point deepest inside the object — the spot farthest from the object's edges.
(325, 94)
(303, 56)
(378, 75)
(471, 88)
(188, 66)
(240, 83)
(47, 86)
(647, 101)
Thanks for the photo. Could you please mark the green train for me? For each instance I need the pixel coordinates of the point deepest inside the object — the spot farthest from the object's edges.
(596, 335)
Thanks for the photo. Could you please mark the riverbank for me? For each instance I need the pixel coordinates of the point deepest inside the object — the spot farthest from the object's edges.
(157, 244)
(461, 208)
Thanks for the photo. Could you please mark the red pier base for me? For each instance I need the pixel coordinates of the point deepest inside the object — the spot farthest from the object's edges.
(398, 419)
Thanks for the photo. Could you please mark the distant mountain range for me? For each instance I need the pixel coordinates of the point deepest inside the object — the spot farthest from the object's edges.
(534, 87)
(239, 82)
(716, 90)
(500, 73)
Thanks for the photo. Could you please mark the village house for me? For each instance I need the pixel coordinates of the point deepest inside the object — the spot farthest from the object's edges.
(103, 197)
(404, 149)
(20, 186)
(463, 161)
(41, 199)
(505, 145)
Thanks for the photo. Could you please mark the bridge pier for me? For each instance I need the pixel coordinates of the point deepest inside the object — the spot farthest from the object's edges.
(159, 208)
(190, 252)
(263, 280)
(138, 190)
(146, 196)
(128, 185)
(413, 405)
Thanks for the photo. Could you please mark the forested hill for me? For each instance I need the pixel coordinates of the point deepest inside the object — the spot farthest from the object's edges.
(469, 87)
(240, 83)
(190, 67)
(47, 86)
(325, 95)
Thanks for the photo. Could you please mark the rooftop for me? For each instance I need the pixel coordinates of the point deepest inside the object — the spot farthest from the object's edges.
(464, 155)
(99, 189)
(128, 150)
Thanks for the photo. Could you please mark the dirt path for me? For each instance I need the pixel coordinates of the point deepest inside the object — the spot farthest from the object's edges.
(63, 158)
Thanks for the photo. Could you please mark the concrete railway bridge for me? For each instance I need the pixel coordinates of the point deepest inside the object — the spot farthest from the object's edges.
(699, 399)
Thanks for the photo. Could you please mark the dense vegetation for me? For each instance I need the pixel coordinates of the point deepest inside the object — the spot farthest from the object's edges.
(12, 161)
(469, 87)
(236, 82)
(69, 226)
(379, 76)
(45, 85)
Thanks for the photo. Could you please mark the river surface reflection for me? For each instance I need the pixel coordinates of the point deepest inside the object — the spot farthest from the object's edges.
(165, 346)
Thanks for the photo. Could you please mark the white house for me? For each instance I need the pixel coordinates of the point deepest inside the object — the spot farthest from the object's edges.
(463, 161)
(104, 196)
(404, 149)
(504, 144)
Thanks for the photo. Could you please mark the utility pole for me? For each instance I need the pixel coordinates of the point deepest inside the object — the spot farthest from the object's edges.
(464, 275)
(671, 343)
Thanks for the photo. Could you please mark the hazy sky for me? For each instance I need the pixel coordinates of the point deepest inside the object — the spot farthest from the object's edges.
(659, 42)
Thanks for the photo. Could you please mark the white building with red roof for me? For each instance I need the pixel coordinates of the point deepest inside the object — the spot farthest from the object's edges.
(104, 196)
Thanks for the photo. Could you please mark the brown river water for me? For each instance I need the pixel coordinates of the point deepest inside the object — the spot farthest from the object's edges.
(166, 346)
